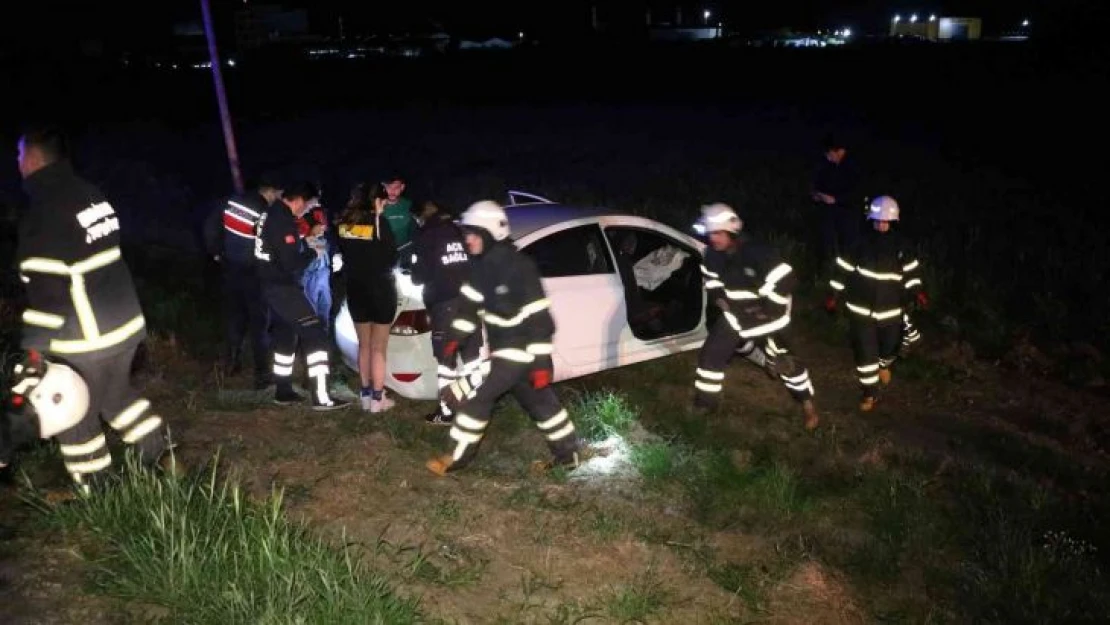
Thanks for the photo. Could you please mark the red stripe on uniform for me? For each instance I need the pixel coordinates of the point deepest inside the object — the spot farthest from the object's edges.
(238, 226)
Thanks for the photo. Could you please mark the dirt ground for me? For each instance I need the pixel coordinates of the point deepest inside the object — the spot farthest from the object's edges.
(498, 545)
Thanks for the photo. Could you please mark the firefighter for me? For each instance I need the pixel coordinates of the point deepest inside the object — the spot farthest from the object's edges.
(504, 292)
(440, 263)
(229, 236)
(753, 288)
(281, 260)
(879, 280)
(82, 309)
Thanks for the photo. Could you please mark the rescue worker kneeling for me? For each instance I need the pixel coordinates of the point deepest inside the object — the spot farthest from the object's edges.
(753, 288)
(504, 291)
(878, 278)
(81, 308)
(281, 260)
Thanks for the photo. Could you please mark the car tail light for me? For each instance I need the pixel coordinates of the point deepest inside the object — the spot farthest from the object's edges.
(411, 323)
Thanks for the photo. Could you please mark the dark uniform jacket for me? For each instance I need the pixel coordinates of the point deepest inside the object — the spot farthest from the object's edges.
(229, 233)
(755, 282)
(878, 276)
(440, 261)
(81, 300)
(281, 258)
(504, 291)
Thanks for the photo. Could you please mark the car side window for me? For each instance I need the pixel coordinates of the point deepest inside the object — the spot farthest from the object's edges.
(579, 251)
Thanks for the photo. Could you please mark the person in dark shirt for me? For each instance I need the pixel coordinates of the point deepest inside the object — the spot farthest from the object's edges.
(440, 264)
(369, 255)
(837, 206)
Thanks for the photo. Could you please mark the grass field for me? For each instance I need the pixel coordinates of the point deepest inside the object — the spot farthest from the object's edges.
(974, 494)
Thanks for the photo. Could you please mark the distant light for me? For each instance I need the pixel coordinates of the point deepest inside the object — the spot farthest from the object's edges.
(847, 32)
(521, 34)
(1024, 22)
(913, 18)
(897, 18)
(932, 18)
(706, 15)
(231, 62)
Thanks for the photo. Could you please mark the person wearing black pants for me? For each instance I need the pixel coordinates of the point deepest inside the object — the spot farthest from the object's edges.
(505, 293)
(879, 279)
(281, 259)
(440, 264)
(753, 287)
(229, 238)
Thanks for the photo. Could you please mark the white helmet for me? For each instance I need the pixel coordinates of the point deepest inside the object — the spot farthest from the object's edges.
(489, 216)
(718, 217)
(883, 208)
(60, 397)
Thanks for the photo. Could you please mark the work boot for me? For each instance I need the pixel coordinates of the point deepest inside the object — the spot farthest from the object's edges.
(811, 418)
(284, 395)
(568, 462)
(441, 465)
(867, 404)
(262, 380)
(884, 376)
(171, 465)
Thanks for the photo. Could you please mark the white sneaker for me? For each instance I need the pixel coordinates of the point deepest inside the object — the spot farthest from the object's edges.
(381, 405)
(367, 403)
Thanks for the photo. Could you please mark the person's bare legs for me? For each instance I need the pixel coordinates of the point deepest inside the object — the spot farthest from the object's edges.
(378, 342)
(365, 378)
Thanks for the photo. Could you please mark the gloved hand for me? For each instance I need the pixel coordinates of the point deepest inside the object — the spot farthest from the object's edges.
(450, 348)
(830, 303)
(922, 300)
(542, 373)
(337, 263)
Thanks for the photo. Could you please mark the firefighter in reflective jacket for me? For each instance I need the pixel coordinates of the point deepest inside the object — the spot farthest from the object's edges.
(878, 278)
(440, 264)
(281, 260)
(753, 288)
(504, 292)
(82, 308)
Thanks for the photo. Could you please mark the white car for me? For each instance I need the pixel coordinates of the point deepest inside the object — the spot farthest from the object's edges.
(589, 281)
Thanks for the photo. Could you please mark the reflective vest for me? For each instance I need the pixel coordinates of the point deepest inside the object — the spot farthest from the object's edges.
(80, 294)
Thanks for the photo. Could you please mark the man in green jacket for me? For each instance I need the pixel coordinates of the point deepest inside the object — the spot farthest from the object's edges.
(398, 210)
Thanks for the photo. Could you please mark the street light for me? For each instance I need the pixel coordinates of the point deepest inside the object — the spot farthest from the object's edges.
(1024, 23)
(913, 18)
(932, 18)
(706, 15)
(847, 32)
(897, 18)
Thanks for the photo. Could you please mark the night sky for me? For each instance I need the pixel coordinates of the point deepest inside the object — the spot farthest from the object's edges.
(123, 24)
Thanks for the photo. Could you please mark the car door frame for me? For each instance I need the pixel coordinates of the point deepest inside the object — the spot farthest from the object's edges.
(566, 365)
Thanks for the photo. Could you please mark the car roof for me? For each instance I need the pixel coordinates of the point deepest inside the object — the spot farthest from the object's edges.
(525, 219)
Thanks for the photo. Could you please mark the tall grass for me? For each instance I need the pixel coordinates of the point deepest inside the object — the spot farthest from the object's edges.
(204, 551)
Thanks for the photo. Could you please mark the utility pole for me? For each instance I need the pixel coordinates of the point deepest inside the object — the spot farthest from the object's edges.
(221, 98)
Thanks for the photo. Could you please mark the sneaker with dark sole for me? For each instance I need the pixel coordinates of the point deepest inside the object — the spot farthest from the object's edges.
(333, 404)
(438, 418)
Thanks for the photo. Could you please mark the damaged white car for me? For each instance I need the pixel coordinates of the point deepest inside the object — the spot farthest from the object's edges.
(623, 289)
